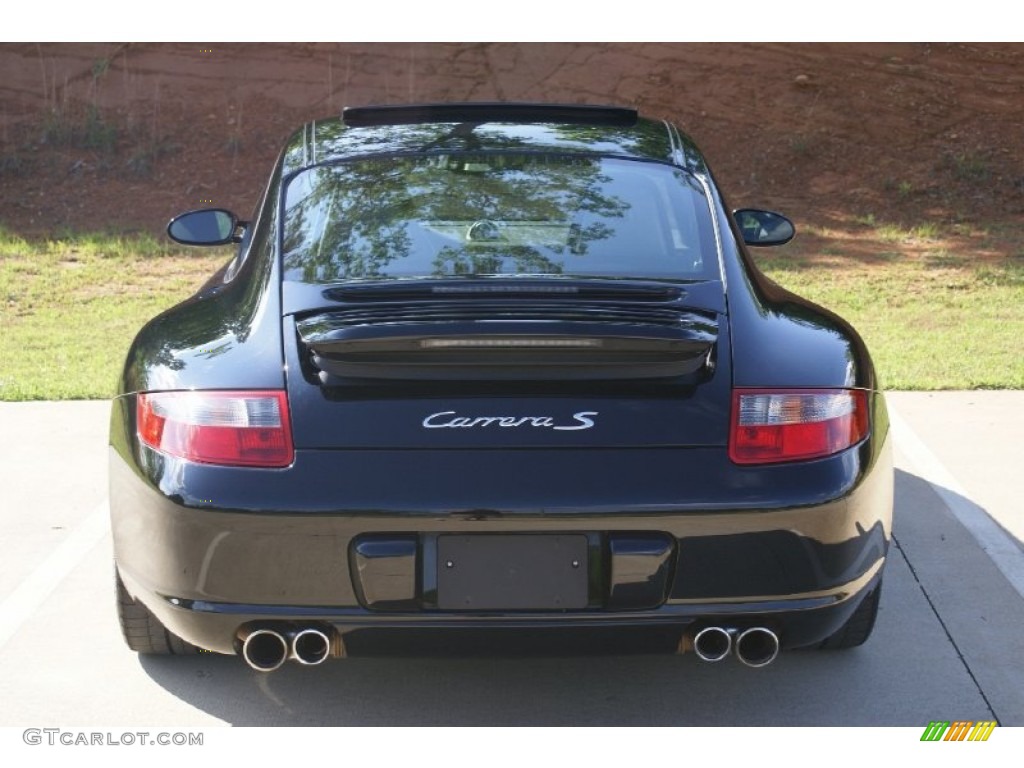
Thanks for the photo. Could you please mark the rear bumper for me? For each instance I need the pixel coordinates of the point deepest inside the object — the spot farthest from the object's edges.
(799, 620)
(211, 550)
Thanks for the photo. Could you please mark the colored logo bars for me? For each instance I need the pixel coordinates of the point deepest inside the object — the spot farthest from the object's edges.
(960, 730)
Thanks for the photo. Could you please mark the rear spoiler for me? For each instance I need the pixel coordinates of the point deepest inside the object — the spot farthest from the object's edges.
(442, 342)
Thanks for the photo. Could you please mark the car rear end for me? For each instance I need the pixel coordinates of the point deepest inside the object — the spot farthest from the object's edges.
(509, 404)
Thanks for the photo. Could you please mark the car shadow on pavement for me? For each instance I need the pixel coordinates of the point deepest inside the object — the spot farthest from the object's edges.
(970, 571)
(538, 691)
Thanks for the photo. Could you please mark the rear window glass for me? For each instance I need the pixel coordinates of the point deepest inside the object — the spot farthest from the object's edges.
(496, 214)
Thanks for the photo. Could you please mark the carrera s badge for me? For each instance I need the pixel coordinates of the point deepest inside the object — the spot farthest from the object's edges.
(450, 420)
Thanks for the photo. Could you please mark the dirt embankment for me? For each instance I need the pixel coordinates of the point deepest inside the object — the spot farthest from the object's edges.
(122, 136)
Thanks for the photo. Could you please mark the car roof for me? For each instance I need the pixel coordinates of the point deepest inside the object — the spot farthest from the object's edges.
(490, 127)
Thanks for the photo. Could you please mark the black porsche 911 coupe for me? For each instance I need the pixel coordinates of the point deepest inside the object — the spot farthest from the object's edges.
(495, 369)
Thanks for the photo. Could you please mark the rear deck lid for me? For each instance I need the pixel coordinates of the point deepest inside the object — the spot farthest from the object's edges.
(601, 366)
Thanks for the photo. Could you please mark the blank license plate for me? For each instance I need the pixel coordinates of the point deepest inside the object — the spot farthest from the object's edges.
(511, 572)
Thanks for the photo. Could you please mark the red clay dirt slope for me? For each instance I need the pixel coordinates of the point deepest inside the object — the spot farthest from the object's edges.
(123, 136)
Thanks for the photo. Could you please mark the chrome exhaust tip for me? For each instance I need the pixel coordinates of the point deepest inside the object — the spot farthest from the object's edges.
(757, 647)
(712, 644)
(311, 646)
(265, 650)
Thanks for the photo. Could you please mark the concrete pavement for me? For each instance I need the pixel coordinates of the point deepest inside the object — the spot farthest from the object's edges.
(976, 437)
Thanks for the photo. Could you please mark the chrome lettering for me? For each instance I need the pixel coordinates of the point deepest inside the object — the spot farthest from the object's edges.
(427, 422)
(584, 422)
(451, 420)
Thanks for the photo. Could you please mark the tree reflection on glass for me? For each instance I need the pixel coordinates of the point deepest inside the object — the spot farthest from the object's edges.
(475, 213)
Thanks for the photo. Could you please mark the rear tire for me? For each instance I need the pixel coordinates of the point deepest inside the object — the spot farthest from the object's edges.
(143, 631)
(857, 628)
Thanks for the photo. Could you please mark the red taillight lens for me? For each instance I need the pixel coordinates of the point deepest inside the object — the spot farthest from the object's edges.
(247, 429)
(794, 425)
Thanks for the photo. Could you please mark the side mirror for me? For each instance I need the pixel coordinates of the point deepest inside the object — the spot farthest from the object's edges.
(208, 226)
(762, 228)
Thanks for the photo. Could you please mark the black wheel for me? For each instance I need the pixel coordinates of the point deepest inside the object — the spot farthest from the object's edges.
(143, 631)
(857, 628)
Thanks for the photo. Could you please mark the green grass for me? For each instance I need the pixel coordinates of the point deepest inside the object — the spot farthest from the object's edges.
(935, 314)
(70, 307)
(892, 233)
(939, 319)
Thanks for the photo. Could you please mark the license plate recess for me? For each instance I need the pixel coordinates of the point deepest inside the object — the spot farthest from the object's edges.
(512, 572)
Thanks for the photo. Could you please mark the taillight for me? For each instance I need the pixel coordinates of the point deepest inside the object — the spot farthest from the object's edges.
(793, 425)
(248, 429)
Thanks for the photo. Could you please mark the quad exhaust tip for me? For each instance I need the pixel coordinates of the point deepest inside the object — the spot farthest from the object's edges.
(712, 644)
(755, 647)
(266, 649)
(311, 646)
